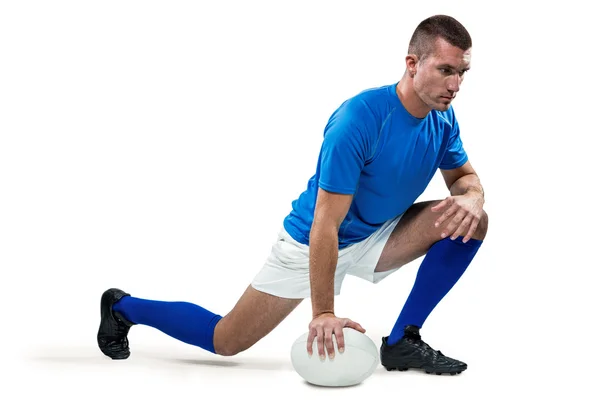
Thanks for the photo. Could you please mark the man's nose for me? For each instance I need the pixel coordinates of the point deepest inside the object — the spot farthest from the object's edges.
(454, 83)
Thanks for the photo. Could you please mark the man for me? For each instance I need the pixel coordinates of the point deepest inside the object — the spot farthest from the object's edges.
(380, 150)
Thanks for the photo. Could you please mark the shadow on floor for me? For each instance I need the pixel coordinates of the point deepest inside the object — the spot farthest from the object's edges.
(78, 356)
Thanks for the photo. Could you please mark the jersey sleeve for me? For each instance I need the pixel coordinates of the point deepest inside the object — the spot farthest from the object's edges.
(348, 144)
(455, 155)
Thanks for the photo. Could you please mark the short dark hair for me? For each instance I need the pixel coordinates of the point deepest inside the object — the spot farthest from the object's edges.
(442, 26)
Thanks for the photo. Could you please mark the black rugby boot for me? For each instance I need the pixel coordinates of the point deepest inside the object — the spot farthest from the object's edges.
(112, 334)
(412, 352)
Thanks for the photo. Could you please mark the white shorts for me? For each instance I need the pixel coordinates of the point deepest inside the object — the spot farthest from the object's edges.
(286, 271)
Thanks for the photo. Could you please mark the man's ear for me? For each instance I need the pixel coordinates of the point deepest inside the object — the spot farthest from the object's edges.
(411, 64)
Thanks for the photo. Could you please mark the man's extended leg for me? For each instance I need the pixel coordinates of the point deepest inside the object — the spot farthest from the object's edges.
(444, 264)
(253, 317)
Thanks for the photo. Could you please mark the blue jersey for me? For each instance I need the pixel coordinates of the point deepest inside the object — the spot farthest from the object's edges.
(375, 150)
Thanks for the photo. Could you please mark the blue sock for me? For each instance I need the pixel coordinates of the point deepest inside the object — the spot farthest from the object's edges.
(187, 322)
(441, 268)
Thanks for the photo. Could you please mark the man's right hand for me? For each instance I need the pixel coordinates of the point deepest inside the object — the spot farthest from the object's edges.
(323, 327)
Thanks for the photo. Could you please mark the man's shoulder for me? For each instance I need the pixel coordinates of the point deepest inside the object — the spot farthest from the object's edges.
(446, 118)
(376, 92)
(371, 104)
(373, 97)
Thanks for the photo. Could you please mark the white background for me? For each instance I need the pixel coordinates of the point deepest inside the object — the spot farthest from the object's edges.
(157, 146)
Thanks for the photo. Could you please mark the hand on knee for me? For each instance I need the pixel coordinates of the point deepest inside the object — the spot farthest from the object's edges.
(460, 216)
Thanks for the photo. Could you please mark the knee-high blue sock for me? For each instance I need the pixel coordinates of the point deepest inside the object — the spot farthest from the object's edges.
(187, 322)
(442, 267)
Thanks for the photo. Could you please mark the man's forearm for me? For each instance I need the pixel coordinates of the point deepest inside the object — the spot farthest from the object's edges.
(467, 184)
(323, 261)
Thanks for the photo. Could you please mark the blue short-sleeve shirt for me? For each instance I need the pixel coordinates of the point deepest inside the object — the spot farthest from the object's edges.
(385, 157)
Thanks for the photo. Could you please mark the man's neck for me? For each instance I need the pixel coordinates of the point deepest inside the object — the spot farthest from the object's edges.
(409, 99)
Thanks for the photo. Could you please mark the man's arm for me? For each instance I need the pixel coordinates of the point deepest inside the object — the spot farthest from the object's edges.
(330, 211)
(463, 180)
(464, 207)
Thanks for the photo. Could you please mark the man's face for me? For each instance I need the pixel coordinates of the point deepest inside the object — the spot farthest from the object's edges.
(439, 76)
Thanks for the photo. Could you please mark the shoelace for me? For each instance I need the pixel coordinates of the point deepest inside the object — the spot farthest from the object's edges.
(420, 343)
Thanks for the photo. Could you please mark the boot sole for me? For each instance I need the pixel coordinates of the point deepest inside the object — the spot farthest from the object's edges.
(107, 314)
(427, 370)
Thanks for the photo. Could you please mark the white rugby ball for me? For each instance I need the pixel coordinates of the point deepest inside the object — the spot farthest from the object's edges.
(358, 361)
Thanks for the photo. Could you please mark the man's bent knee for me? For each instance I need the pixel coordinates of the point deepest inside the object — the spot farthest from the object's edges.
(482, 227)
(229, 349)
(430, 231)
(226, 344)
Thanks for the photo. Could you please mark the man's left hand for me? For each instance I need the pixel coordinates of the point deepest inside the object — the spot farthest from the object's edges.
(465, 210)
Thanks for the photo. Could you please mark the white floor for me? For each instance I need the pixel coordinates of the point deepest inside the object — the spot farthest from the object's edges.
(171, 372)
(504, 362)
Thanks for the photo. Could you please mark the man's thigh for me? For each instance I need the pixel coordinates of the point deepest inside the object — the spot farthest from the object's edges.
(411, 238)
(366, 254)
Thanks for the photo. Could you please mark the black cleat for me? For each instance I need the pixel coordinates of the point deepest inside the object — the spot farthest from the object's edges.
(112, 334)
(412, 352)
